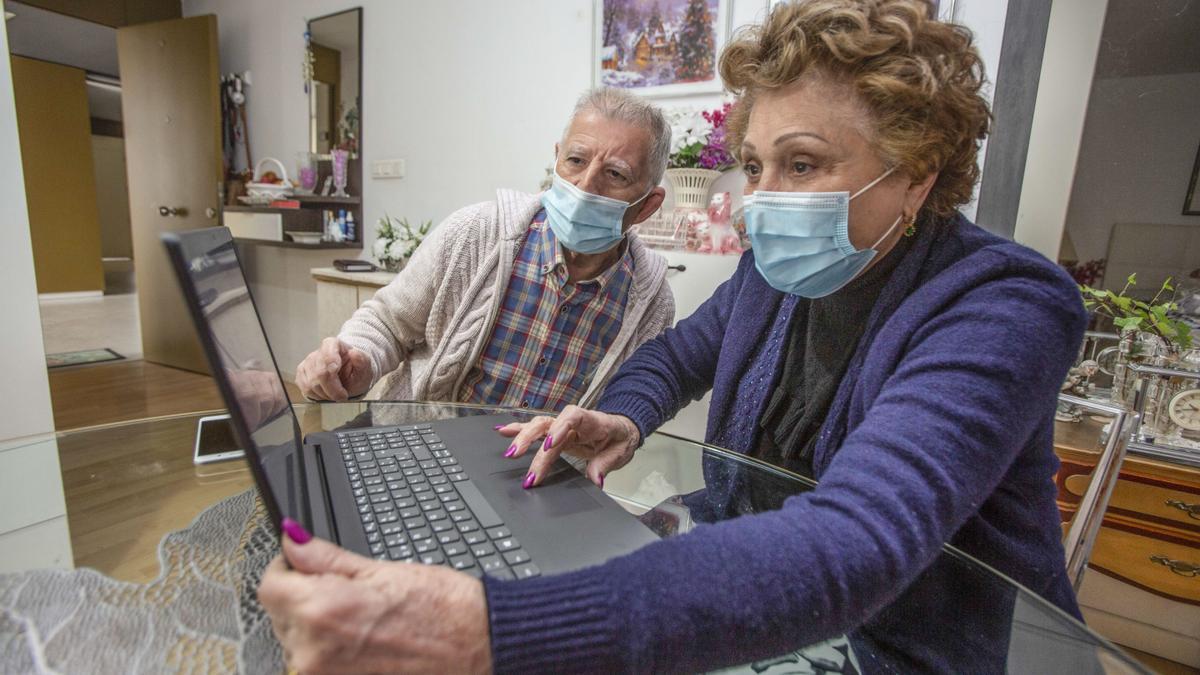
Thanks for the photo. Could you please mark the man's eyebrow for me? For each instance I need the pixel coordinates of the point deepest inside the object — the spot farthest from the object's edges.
(621, 164)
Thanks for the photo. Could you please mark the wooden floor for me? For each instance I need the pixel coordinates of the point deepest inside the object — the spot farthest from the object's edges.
(127, 486)
(85, 396)
(1160, 665)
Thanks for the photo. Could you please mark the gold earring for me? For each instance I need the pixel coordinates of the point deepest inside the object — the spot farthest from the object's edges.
(910, 226)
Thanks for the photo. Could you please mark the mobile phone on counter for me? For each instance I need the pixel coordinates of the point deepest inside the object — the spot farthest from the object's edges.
(215, 441)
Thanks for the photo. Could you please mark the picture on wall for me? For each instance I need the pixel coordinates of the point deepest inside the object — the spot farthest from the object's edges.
(659, 47)
(1191, 205)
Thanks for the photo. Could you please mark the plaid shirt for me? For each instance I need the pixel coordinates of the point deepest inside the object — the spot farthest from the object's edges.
(549, 334)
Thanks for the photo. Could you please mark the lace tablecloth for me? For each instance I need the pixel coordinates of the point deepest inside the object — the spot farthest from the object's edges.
(199, 615)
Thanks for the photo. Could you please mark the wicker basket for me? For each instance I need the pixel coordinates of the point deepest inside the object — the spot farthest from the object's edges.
(690, 186)
(265, 191)
(663, 230)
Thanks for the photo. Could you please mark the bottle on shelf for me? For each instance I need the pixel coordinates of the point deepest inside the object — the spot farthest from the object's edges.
(350, 234)
(341, 223)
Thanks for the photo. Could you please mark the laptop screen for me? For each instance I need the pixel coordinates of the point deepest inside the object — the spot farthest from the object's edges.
(212, 278)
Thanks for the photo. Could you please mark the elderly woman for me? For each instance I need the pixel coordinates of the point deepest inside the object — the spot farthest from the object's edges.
(873, 338)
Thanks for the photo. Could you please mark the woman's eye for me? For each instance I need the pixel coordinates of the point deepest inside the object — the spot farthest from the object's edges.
(751, 170)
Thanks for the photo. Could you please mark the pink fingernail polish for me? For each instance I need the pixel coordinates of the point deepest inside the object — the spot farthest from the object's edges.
(601, 481)
(295, 531)
(529, 480)
(512, 450)
(498, 427)
(549, 441)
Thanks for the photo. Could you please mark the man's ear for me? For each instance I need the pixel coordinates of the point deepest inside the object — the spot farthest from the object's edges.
(651, 204)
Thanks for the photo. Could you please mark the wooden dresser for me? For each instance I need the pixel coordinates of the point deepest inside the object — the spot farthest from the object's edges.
(1142, 588)
(340, 293)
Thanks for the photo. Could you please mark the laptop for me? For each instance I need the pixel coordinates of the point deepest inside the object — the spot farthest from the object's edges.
(437, 492)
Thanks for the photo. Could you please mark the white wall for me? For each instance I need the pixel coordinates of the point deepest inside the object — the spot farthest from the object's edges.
(33, 524)
(1072, 43)
(472, 94)
(1138, 150)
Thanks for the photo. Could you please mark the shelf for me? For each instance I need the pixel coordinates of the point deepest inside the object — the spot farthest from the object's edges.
(261, 209)
(292, 244)
(320, 199)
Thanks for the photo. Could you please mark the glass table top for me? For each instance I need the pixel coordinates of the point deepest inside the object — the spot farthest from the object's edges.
(130, 484)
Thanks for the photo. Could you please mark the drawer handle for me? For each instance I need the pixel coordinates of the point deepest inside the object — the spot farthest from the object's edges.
(1193, 510)
(677, 268)
(1179, 567)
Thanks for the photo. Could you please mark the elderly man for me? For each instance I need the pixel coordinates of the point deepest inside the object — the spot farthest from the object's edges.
(530, 301)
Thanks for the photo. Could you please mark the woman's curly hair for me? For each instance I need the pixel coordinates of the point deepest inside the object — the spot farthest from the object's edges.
(919, 79)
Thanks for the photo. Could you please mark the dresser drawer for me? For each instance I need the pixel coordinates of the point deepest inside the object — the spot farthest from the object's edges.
(1148, 499)
(1132, 558)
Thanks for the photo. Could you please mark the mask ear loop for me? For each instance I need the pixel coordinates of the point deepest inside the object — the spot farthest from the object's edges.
(900, 217)
(872, 184)
(889, 231)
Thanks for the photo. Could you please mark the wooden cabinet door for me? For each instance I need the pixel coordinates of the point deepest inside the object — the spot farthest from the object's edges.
(335, 303)
(171, 105)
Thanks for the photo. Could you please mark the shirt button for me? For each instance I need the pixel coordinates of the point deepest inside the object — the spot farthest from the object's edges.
(542, 361)
(524, 404)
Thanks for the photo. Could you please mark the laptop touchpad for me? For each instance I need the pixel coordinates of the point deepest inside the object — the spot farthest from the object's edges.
(563, 492)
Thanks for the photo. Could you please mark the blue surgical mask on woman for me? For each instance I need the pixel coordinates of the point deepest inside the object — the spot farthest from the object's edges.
(582, 221)
(801, 240)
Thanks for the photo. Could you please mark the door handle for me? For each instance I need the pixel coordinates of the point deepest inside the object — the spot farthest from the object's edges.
(677, 268)
(167, 211)
(210, 212)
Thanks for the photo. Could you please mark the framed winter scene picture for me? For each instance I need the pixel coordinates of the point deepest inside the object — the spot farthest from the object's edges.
(659, 47)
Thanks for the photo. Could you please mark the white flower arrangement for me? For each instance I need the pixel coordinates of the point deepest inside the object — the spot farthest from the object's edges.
(397, 240)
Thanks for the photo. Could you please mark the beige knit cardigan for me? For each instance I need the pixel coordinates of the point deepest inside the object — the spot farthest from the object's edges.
(426, 329)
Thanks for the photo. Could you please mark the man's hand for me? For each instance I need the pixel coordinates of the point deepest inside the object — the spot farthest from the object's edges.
(606, 441)
(334, 372)
(337, 612)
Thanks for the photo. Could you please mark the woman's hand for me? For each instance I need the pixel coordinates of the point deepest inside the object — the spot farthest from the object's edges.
(337, 612)
(606, 441)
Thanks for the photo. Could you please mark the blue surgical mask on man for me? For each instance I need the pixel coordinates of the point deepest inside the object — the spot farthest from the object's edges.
(584, 222)
(801, 240)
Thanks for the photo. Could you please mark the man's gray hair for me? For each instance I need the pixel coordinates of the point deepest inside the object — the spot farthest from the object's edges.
(622, 106)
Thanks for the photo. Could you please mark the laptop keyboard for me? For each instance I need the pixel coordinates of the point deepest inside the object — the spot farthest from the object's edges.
(418, 505)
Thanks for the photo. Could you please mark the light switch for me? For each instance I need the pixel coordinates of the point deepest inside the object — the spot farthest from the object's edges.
(387, 168)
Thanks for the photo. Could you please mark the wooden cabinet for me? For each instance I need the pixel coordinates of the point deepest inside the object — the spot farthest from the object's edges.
(340, 293)
(1143, 581)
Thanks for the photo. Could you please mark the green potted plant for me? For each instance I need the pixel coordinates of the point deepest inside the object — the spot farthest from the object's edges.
(396, 241)
(1148, 334)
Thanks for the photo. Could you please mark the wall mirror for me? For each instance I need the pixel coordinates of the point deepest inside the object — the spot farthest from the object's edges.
(335, 93)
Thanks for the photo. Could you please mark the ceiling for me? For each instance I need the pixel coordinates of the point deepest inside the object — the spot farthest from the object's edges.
(1150, 37)
(59, 38)
(49, 36)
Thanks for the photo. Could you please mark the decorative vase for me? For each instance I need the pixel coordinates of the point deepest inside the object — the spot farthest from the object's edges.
(340, 158)
(306, 171)
(1135, 347)
(690, 188)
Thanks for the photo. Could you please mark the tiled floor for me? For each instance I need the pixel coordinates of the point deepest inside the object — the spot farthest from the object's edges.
(92, 323)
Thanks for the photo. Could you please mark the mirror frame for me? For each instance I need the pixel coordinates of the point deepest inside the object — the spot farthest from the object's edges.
(358, 98)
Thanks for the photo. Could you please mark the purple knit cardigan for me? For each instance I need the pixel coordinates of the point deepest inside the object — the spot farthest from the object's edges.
(941, 432)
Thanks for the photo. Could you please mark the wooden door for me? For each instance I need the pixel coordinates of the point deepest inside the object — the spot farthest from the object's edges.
(170, 100)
